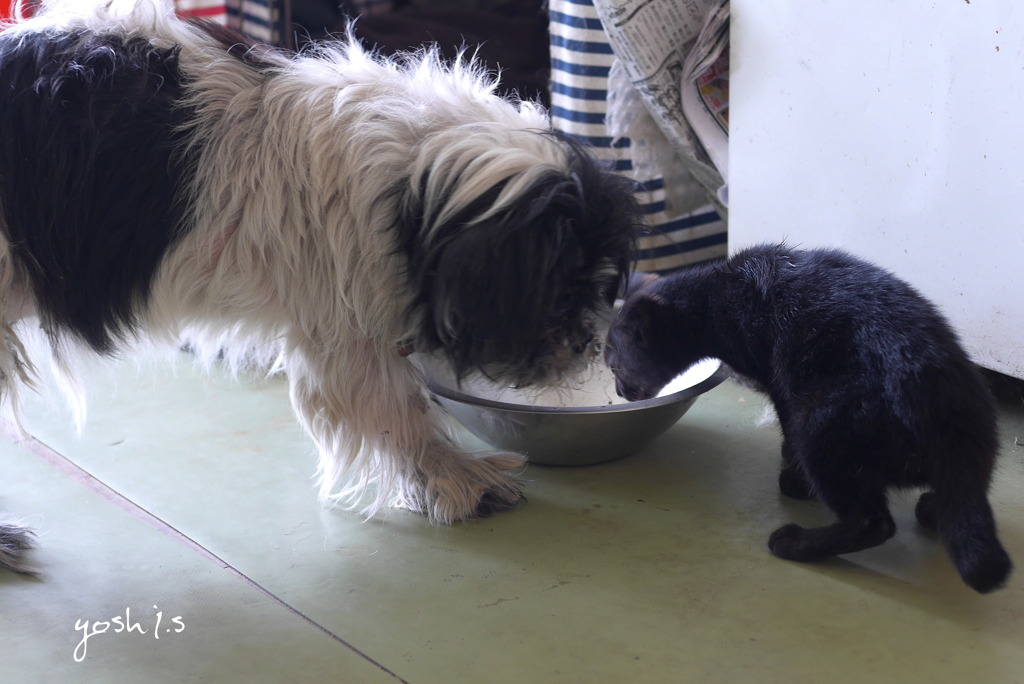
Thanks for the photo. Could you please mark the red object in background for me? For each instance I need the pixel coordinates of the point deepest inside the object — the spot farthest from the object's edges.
(7, 8)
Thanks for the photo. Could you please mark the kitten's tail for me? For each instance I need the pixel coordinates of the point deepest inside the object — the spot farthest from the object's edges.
(959, 510)
(969, 532)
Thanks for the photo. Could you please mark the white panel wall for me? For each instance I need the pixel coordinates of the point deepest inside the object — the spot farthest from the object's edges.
(896, 130)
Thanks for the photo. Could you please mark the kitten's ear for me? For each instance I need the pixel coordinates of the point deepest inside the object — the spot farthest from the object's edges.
(648, 313)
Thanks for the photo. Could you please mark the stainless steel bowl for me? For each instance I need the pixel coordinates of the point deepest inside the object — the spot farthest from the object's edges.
(570, 435)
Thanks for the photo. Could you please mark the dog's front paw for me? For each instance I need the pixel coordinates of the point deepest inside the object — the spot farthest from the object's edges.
(453, 487)
(505, 493)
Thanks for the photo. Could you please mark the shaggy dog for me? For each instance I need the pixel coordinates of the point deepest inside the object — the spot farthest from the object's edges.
(330, 211)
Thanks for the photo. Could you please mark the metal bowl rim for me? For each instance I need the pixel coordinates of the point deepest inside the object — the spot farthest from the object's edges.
(716, 378)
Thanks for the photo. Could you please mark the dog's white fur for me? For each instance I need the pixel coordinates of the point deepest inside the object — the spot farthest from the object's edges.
(248, 282)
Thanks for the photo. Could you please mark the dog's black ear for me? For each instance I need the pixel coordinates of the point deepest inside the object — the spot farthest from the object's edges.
(502, 275)
(496, 286)
(520, 265)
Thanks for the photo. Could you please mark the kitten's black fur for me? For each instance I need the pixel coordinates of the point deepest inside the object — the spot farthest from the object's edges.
(870, 384)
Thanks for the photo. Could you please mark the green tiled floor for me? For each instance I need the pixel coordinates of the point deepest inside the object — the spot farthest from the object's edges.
(200, 505)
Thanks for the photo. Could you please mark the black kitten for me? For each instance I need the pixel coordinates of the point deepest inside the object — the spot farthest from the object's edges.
(870, 384)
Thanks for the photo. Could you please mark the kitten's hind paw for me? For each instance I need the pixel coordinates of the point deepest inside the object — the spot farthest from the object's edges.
(794, 485)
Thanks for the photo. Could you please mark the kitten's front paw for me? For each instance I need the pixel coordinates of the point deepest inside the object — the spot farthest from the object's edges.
(787, 543)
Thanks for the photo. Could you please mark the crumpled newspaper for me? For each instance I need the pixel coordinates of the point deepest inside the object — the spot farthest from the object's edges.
(645, 102)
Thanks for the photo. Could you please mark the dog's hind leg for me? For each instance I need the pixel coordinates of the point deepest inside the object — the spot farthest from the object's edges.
(367, 409)
(15, 370)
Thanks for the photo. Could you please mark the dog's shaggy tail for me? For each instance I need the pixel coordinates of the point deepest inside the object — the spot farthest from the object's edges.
(15, 539)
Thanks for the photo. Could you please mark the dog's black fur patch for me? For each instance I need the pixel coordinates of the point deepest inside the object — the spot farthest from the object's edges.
(870, 384)
(91, 174)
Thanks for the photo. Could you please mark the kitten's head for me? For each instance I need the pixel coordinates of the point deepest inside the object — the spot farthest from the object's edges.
(647, 344)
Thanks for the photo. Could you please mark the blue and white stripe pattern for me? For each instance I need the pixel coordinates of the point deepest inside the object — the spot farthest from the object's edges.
(259, 19)
(580, 61)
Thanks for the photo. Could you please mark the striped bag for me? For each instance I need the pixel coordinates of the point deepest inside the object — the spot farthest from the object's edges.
(581, 59)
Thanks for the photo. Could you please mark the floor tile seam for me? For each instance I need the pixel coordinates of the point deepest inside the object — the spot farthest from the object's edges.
(75, 472)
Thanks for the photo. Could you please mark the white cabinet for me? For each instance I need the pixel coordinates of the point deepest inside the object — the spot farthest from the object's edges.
(896, 130)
